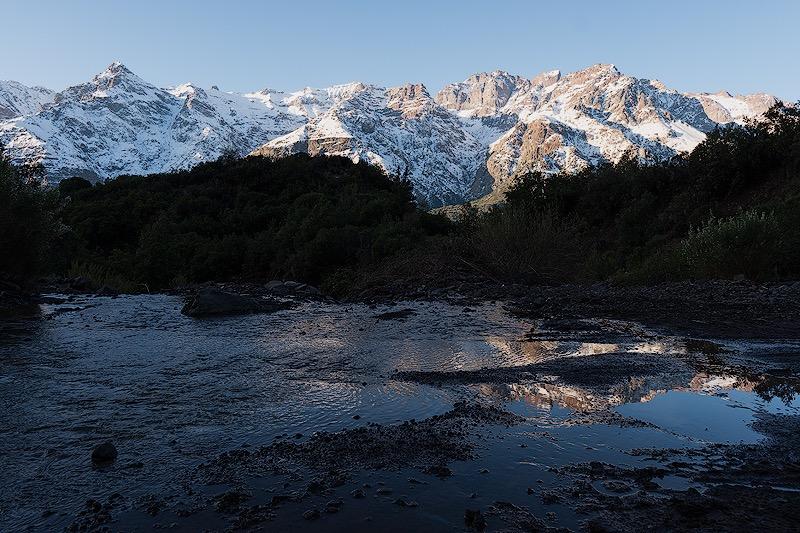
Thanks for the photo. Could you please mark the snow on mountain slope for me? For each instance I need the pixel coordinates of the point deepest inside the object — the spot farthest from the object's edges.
(119, 124)
(17, 100)
(723, 107)
(400, 129)
(584, 118)
(473, 137)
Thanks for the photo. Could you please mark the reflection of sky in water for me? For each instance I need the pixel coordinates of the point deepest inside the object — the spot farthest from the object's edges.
(698, 416)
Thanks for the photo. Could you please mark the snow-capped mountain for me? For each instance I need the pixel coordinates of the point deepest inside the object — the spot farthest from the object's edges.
(17, 100)
(473, 137)
(119, 124)
(401, 129)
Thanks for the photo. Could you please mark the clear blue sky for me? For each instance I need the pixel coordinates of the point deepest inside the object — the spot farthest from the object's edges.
(741, 46)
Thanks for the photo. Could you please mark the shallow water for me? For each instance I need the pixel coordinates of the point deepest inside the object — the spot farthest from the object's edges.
(172, 392)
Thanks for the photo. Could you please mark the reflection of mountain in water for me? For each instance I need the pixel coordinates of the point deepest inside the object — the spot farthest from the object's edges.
(545, 395)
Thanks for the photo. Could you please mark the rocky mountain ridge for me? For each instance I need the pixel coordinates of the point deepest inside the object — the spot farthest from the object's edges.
(471, 138)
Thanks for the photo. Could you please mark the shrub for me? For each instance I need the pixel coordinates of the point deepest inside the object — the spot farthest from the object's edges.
(521, 245)
(750, 243)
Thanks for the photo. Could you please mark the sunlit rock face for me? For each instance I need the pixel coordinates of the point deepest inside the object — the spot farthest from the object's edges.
(472, 138)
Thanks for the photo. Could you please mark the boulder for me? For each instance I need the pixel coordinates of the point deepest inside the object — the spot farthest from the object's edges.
(214, 302)
(104, 453)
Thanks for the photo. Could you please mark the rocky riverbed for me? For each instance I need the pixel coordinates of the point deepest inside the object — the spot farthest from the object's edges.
(447, 415)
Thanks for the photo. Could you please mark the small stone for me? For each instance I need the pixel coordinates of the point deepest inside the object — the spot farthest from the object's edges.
(358, 493)
(104, 453)
(403, 502)
(311, 514)
(93, 505)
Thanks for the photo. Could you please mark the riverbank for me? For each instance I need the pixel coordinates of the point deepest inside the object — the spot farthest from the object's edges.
(715, 308)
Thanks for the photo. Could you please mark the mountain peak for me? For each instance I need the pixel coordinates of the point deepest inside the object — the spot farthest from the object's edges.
(412, 99)
(114, 69)
(547, 78)
(481, 94)
(115, 76)
(411, 90)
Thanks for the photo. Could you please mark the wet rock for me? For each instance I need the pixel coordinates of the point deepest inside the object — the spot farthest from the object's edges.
(279, 499)
(230, 501)
(316, 486)
(311, 514)
(104, 453)
(550, 497)
(437, 440)
(335, 503)
(93, 505)
(704, 346)
(614, 485)
(214, 302)
(383, 491)
(403, 501)
(358, 494)
(518, 518)
(93, 517)
(250, 517)
(400, 314)
(474, 520)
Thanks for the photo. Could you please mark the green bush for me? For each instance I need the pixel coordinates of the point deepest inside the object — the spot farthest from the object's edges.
(751, 244)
